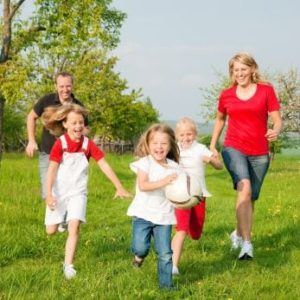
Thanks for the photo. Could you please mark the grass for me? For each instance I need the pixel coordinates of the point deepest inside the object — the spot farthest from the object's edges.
(30, 262)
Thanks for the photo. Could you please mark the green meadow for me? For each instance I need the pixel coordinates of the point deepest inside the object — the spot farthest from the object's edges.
(31, 262)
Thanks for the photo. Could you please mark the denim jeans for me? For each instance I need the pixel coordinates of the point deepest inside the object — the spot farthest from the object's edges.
(241, 166)
(142, 231)
(43, 168)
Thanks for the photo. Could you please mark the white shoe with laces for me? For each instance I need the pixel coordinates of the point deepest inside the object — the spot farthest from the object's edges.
(175, 270)
(62, 227)
(236, 241)
(246, 251)
(69, 271)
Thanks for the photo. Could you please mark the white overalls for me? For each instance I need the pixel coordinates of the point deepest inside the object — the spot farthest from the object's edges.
(70, 186)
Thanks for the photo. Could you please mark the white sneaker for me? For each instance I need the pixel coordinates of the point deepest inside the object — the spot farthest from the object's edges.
(175, 270)
(246, 251)
(69, 271)
(62, 227)
(236, 241)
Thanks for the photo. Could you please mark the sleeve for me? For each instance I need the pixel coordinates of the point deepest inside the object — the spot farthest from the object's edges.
(142, 164)
(272, 100)
(95, 151)
(204, 151)
(56, 152)
(221, 106)
(39, 107)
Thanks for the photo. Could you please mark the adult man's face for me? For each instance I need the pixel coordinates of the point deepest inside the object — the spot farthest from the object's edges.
(64, 87)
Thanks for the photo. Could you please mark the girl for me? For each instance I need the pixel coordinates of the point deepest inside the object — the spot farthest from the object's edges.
(193, 157)
(152, 213)
(247, 105)
(66, 183)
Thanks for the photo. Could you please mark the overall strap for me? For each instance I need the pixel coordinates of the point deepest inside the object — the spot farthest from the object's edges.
(63, 142)
(85, 144)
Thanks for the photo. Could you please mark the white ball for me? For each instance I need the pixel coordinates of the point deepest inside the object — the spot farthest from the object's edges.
(184, 192)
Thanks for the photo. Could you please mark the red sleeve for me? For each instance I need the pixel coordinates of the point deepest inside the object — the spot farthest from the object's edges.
(95, 152)
(56, 152)
(221, 106)
(273, 103)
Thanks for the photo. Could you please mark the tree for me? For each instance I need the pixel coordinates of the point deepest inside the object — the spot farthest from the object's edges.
(66, 36)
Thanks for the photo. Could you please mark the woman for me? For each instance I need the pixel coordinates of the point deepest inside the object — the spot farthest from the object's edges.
(247, 104)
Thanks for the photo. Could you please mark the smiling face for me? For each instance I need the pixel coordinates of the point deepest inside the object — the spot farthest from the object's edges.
(159, 146)
(185, 135)
(74, 125)
(64, 86)
(242, 74)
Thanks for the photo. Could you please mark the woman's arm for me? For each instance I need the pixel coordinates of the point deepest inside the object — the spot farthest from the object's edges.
(218, 128)
(145, 185)
(272, 134)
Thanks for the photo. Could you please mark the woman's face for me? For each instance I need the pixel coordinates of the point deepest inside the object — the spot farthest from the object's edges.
(242, 74)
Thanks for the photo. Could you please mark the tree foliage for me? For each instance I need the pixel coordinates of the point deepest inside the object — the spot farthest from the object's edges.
(74, 36)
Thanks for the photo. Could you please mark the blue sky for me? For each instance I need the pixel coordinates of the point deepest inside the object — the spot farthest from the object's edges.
(171, 48)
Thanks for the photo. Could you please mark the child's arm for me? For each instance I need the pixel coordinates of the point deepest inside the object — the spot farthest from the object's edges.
(110, 174)
(146, 185)
(214, 160)
(51, 175)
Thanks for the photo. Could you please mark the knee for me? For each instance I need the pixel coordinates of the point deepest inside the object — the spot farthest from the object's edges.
(140, 250)
(50, 230)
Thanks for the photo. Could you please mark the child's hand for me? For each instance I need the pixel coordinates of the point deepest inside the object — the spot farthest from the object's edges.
(170, 178)
(122, 193)
(51, 202)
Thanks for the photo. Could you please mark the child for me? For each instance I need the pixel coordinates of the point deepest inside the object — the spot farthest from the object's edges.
(152, 213)
(193, 157)
(66, 182)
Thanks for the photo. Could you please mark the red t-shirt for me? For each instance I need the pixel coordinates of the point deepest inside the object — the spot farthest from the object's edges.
(247, 119)
(74, 146)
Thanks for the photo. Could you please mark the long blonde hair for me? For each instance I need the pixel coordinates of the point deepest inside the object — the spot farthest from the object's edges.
(248, 60)
(54, 116)
(142, 148)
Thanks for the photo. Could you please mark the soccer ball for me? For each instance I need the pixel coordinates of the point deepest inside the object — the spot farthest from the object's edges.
(184, 192)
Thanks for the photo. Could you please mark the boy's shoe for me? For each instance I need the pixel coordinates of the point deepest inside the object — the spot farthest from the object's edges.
(175, 270)
(69, 271)
(137, 262)
(236, 241)
(246, 251)
(62, 227)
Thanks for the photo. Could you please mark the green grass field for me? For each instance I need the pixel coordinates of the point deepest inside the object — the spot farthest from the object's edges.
(30, 262)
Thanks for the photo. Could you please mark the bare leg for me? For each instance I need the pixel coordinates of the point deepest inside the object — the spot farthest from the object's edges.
(71, 243)
(51, 229)
(244, 209)
(177, 246)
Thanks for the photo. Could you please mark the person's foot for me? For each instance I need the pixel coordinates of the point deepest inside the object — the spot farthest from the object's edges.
(246, 251)
(236, 241)
(69, 271)
(137, 261)
(175, 270)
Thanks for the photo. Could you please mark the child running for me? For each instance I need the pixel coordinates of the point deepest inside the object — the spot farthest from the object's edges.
(152, 213)
(193, 157)
(66, 182)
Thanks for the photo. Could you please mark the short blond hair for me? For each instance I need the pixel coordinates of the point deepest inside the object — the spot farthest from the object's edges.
(185, 121)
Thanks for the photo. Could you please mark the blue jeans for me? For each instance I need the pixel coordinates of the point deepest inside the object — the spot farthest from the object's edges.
(241, 166)
(142, 231)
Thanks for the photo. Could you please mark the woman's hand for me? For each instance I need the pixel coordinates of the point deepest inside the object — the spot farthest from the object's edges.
(122, 193)
(272, 135)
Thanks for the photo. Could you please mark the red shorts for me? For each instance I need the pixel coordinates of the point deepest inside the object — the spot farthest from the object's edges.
(191, 220)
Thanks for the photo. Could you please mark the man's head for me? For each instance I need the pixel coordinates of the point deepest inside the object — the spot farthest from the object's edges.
(64, 86)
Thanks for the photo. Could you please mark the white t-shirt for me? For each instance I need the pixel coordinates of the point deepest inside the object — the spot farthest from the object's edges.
(153, 205)
(191, 161)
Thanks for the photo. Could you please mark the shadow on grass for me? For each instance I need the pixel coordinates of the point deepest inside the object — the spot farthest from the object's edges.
(215, 258)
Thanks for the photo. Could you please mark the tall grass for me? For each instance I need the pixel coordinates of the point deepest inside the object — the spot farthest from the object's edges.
(31, 262)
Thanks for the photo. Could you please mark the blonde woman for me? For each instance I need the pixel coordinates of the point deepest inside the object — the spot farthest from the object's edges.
(246, 105)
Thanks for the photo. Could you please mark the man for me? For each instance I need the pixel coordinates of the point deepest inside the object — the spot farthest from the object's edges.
(64, 86)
